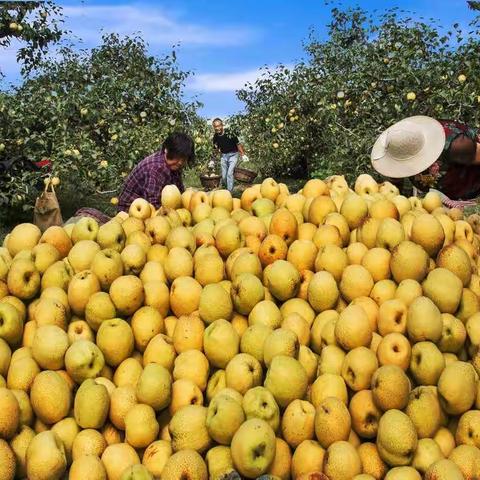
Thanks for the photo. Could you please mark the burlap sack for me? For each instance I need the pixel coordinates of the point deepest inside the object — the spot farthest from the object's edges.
(47, 212)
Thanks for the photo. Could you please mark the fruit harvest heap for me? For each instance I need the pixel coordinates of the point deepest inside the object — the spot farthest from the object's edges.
(331, 333)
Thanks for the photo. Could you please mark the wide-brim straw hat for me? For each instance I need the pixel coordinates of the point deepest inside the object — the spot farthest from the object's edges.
(408, 147)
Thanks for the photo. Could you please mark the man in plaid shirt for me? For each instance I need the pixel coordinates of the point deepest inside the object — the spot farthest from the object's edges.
(161, 168)
(153, 173)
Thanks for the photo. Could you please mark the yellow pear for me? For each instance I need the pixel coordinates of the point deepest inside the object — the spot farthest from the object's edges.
(160, 350)
(254, 435)
(154, 386)
(221, 343)
(424, 321)
(427, 363)
(283, 280)
(247, 290)
(156, 455)
(354, 209)
(332, 422)
(81, 287)
(88, 466)
(397, 438)
(453, 400)
(356, 282)
(253, 340)
(98, 309)
(331, 360)
(394, 349)
(128, 372)
(185, 294)
(445, 440)
(111, 235)
(50, 397)
(425, 412)
(141, 426)
(117, 458)
(23, 279)
(189, 430)
(402, 203)
(187, 463)
(390, 387)
(91, 406)
(302, 254)
(23, 237)
(408, 290)
(322, 291)
(431, 201)
(56, 236)
(444, 288)
(82, 254)
(188, 333)
(365, 414)
(88, 442)
(389, 234)
(377, 262)
(443, 469)
(342, 461)
(314, 187)
(45, 457)
(224, 416)
(228, 238)
(215, 303)
(428, 232)
(49, 346)
(352, 328)
(358, 368)
(192, 365)
(127, 294)
(243, 372)
(270, 189)
(307, 460)
(457, 261)
(116, 341)
(298, 422)
(355, 253)
(121, 401)
(427, 454)
(284, 224)
(281, 368)
(185, 392)
(107, 265)
(365, 184)
(409, 261)
(84, 360)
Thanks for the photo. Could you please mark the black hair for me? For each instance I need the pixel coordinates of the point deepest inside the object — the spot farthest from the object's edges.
(462, 150)
(180, 145)
(217, 120)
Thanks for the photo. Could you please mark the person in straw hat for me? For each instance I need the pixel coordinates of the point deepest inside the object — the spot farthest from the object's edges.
(439, 155)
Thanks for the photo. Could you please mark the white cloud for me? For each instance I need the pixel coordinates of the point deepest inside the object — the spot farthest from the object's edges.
(223, 82)
(227, 82)
(157, 27)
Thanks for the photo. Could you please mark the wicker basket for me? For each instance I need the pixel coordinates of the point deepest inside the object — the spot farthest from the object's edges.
(243, 175)
(209, 183)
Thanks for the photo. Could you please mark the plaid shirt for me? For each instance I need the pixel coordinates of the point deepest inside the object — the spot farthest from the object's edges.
(147, 180)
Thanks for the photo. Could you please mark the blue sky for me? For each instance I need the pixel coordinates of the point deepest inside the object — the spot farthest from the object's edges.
(224, 43)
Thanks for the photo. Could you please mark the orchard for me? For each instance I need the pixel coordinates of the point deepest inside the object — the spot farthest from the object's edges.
(94, 115)
(323, 115)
